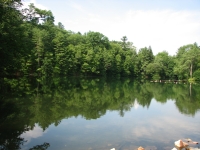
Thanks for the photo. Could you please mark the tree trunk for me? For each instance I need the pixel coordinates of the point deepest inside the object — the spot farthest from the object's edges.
(191, 70)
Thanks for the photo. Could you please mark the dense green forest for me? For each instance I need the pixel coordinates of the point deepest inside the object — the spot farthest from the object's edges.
(31, 44)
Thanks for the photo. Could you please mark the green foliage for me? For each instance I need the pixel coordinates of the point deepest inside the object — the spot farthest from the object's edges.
(32, 45)
(10, 35)
(187, 61)
(196, 75)
(145, 56)
(41, 48)
(162, 67)
(43, 146)
(36, 15)
(97, 40)
(124, 44)
(156, 77)
(191, 80)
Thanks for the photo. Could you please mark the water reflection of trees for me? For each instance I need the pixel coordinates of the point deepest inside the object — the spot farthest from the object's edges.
(13, 122)
(27, 101)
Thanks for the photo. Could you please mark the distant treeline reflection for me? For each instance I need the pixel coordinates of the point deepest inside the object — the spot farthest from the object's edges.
(58, 98)
(26, 101)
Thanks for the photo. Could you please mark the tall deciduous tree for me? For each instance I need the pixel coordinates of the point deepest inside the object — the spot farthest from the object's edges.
(97, 40)
(145, 56)
(187, 61)
(10, 35)
(162, 67)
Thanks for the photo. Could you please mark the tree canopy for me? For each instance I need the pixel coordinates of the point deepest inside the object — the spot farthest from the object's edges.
(31, 44)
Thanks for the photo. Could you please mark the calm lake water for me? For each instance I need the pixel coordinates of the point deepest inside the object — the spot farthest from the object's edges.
(97, 114)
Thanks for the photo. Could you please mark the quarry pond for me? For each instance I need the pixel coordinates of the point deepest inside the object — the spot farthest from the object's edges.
(97, 114)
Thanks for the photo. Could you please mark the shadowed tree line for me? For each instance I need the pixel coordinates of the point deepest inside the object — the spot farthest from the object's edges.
(31, 44)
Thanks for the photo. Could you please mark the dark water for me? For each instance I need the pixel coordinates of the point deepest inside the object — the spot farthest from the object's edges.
(96, 114)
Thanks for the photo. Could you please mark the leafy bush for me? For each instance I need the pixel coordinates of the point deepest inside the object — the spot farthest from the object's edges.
(196, 75)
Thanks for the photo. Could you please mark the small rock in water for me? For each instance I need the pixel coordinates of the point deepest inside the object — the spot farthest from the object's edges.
(180, 144)
(112, 149)
(140, 148)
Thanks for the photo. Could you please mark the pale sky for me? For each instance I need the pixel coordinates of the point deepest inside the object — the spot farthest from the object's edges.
(161, 24)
